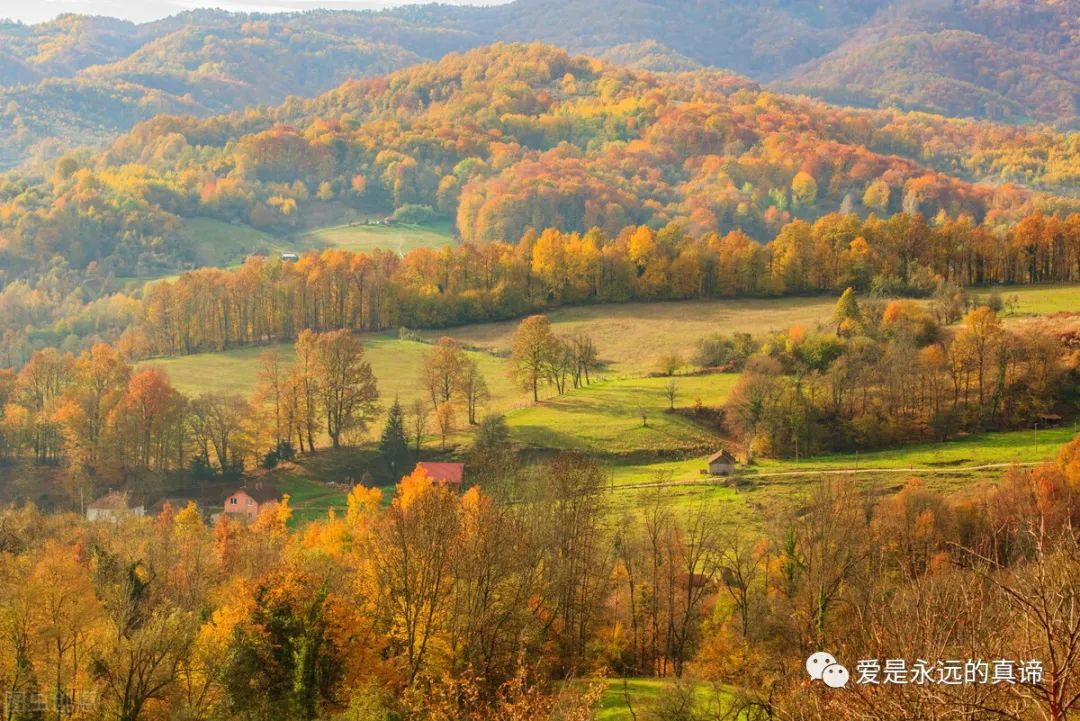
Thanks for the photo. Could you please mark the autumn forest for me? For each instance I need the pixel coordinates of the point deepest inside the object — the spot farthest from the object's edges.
(443, 363)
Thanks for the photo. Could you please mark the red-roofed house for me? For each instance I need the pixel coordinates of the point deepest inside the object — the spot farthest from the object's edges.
(250, 500)
(448, 473)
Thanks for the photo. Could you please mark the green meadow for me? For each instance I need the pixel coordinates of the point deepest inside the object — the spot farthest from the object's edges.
(218, 244)
(642, 698)
(632, 337)
(318, 483)
(1038, 299)
(623, 417)
(357, 237)
(395, 362)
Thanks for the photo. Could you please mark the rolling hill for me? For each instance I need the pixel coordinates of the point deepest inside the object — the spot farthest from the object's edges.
(1008, 61)
(83, 80)
(511, 137)
(91, 86)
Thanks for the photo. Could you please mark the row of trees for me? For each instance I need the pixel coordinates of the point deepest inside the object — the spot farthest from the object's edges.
(213, 309)
(892, 374)
(539, 355)
(451, 377)
(481, 605)
(108, 423)
(263, 300)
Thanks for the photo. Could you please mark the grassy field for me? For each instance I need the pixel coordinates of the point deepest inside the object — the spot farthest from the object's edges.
(624, 700)
(944, 458)
(1039, 300)
(602, 418)
(215, 243)
(220, 244)
(642, 692)
(317, 483)
(979, 449)
(770, 486)
(632, 337)
(400, 237)
(605, 418)
(764, 492)
(395, 362)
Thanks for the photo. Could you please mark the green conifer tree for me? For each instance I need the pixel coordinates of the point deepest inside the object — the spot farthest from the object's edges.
(393, 445)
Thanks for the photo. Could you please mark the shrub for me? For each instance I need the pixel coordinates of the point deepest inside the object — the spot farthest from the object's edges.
(413, 213)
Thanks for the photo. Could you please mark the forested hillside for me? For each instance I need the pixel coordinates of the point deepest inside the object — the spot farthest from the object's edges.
(512, 137)
(506, 139)
(1011, 61)
(371, 370)
(83, 80)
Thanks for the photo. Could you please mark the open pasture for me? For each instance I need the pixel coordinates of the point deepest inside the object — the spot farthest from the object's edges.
(640, 698)
(1038, 300)
(632, 337)
(395, 362)
(605, 418)
(771, 485)
(399, 237)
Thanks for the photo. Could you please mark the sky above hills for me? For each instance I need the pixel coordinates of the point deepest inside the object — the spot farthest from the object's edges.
(145, 10)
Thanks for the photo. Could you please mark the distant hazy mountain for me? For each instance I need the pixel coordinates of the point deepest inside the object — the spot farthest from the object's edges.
(649, 55)
(96, 77)
(82, 79)
(1011, 60)
(40, 11)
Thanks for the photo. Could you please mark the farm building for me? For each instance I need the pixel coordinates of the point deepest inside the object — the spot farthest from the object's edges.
(112, 506)
(722, 463)
(448, 473)
(289, 257)
(249, 501)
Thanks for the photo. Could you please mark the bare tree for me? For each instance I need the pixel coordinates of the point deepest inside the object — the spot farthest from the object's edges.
(740, 565)
(586, 358)
(418, 414)
(473, 388)
(444, 418)
(442, 371)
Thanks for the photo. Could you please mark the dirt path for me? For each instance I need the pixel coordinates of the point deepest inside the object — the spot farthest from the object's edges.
(921, 470)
